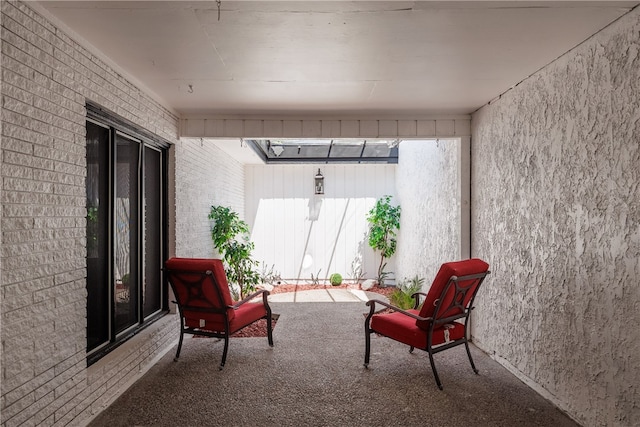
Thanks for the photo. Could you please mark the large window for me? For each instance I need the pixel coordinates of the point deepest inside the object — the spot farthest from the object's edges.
(126, 176)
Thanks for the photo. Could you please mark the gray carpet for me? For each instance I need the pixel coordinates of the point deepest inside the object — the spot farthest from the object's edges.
(314, 377)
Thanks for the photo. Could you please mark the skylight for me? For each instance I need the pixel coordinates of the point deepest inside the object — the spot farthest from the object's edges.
(326, 150)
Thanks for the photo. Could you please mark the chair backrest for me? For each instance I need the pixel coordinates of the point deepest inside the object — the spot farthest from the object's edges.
(451, 298)
(201, 290)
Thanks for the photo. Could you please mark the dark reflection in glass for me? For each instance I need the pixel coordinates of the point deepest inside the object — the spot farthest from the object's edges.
(97, 186)
(152, 281)
(125, 235)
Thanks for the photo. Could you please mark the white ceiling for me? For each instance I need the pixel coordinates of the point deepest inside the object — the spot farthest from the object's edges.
(331, 58)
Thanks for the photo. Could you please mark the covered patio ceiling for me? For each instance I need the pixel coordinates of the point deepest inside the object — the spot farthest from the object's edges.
(330, 58)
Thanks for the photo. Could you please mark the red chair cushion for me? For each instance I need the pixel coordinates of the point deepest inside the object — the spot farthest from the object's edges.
(204, 296)
(246, 314)
(403, 328)
(456, 268)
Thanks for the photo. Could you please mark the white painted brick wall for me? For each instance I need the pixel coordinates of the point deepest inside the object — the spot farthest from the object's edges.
(46, 80)
(205, 176)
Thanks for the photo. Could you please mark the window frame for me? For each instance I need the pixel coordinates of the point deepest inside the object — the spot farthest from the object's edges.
(119, 126)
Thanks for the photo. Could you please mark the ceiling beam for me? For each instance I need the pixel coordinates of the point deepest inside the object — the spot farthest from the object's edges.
(324, 128)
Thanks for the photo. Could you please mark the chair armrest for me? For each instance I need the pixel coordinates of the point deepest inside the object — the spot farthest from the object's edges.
(415, 296)
(248, 298)
(372, 303)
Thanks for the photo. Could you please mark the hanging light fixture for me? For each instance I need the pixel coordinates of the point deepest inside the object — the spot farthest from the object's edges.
(319, 183)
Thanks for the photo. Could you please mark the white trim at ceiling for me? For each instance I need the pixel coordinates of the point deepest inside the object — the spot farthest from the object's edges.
(322, 128)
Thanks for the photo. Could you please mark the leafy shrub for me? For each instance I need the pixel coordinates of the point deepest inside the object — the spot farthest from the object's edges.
(230, 237)
(401, 297)
(384, 220)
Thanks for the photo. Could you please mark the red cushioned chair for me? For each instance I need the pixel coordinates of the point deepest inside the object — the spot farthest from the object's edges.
(442, 321)
(205, 305)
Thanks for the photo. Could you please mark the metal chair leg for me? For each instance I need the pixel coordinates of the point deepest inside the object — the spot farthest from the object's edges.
(435, 372)
(269, 329)
(473, 366)
(224, 352)
(175, 359)
(367, 345)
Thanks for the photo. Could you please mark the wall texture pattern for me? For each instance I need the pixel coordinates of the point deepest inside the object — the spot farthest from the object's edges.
(556, 213)
(204, 176)
(428, 191)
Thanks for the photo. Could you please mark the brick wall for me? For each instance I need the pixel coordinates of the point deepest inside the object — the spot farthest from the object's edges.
(205, 176)
(46, 80)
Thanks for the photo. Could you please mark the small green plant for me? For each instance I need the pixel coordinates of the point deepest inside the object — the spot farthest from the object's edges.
(384, 220)
(401, 297)
(230, 237)
(335, 279)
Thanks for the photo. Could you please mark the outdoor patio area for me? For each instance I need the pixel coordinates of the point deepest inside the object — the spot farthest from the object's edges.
(314, 376)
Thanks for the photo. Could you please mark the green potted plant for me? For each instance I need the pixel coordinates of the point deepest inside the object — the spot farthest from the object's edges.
(335, 279)
(384, 220)
(230, 237)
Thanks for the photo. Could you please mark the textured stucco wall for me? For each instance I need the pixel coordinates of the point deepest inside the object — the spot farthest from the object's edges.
(428, 192)
(556, 214)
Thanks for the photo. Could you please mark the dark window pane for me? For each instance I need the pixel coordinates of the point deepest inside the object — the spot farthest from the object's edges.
(152, 280)
(97, 185)
(125, 233)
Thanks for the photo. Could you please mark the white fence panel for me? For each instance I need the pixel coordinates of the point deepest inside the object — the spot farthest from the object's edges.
(300, 234)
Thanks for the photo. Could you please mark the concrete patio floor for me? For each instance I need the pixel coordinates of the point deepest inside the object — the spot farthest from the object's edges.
(314, 376)
(327, 295)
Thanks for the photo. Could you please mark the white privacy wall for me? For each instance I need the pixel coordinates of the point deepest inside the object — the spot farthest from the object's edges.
(300, 234)
(556, 207)
(427, 182)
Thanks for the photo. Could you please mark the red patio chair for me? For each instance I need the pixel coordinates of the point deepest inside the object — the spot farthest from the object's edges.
(442, 321)
(205, 304)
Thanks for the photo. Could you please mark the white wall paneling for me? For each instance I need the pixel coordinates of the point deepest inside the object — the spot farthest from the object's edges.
(300, 233)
